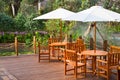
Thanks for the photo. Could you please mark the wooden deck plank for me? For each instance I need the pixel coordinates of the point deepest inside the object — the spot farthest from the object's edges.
(26, 67)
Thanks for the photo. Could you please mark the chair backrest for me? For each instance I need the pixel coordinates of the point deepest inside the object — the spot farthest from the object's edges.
(80, 41)
(51, 40)
(43, 52)
(44, 49)
(70, 55)
(114, 56)
(80, 44)
(82, 47)
(71, 46)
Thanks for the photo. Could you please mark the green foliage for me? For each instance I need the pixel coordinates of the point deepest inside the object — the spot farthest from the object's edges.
(27, 8)
(114, 27)
(53, 27)
(5, 7)
(24, 23)
(29, 1)
(6, 22)
(42, 38)
(28, 42)
(48, 7)
(88, 3)
(113, 5)
(20, 20)
(2, 5)
(32, 25)
(28, 39)
(73, 5)
(21, 38)
(7, 38)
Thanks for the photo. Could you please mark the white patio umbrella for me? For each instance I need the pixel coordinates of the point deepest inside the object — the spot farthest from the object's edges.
(94, 14)
(59, 13)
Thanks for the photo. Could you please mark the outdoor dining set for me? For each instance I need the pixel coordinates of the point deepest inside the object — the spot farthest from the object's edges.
(77, 57)
(76, 53)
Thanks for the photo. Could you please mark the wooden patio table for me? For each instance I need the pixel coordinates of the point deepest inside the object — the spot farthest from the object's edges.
(57, 44)
(94, 55)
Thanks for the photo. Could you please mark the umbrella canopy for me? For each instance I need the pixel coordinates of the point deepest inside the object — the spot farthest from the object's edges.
(94, 14)
(59, 13)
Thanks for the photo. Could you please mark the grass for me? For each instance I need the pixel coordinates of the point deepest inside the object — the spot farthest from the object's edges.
(11, 51)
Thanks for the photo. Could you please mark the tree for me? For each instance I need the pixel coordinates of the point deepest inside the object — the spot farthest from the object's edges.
(2, 6)
(73, 5)
(10, 7)
(6, 22)
(32, 25)
(20, 20)
(27, 7)
(88, 3)
(113, 5)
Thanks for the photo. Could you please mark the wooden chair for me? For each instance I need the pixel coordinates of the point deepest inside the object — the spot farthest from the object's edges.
(112, 62)
(70, 46)
(55, 49)
(44, 53)
(82, 47)
(118, 73)
(71, 59)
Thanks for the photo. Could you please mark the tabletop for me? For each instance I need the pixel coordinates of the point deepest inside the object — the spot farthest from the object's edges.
(93, 53)
(58, 44)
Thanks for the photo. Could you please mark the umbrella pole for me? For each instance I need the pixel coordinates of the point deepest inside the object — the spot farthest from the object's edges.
(94, 37)
(61, 30)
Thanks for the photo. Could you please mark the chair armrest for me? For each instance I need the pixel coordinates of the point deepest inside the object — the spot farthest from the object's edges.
(62, 49)
(102, 61)
(79, 54)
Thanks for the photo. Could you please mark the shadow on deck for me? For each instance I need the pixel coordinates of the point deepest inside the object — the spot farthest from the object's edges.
(26, 67)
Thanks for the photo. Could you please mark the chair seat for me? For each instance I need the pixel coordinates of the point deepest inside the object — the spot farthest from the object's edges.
(73, 63)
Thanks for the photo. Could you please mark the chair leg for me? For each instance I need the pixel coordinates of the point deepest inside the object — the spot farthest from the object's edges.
(65, 68)
(85, 70)
(39, 57)
(58, 53)
(108, 75)
(49, 57)
(75, 72)
(49, 54)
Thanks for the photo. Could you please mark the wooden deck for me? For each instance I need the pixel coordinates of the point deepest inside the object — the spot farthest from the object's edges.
(26, 67)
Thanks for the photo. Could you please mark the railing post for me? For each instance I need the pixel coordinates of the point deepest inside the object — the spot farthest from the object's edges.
(16, 46)
(105, 45)
(38, 52)
(91, 43)
(34, 44)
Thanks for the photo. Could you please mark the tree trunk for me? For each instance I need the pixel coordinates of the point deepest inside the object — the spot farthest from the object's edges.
(13, 9)
(39, 6)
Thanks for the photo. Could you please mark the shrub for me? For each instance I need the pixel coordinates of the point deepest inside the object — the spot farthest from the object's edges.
(20, 20)
(6, 22)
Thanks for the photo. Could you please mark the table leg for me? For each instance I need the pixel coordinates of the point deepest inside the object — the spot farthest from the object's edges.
(94, 64)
